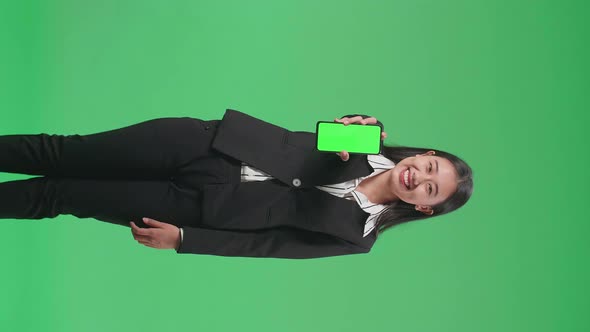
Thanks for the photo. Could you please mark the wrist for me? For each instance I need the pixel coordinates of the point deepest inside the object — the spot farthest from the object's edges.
(179, 239)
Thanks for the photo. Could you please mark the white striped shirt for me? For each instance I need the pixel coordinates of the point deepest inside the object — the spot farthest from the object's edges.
(346, 190)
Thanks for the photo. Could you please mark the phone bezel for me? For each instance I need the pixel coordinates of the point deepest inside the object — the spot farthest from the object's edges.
(317, 128)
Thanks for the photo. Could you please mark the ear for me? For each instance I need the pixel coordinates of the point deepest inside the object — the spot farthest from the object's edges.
(427, 153)
(426, 209)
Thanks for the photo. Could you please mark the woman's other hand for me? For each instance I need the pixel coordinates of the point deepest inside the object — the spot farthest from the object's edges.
(357, 119)
(160, 236)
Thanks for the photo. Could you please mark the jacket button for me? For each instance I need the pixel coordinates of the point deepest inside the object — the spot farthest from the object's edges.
(296, 182)
(206, 127)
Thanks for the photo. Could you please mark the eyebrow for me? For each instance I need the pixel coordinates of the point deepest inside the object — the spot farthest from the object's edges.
(436, 162)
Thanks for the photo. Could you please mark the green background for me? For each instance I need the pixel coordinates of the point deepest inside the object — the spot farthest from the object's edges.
(503, 84)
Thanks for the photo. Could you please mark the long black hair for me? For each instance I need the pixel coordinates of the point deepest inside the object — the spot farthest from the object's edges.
(399, 211)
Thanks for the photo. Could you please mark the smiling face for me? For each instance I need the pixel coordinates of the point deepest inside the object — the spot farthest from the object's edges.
(424, 180)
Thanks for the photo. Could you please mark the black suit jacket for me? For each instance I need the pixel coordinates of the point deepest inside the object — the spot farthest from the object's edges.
(286, 217)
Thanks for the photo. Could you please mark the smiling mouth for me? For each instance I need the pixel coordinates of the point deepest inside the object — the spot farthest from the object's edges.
(405, 178)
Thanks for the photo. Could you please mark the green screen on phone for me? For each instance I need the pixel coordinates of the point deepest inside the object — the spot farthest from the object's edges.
(353, 138)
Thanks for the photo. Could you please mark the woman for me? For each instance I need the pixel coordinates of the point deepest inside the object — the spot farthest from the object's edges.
(232, 187)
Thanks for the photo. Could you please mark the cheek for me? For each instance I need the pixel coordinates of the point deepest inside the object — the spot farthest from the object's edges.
(407, 196)
(416, 197)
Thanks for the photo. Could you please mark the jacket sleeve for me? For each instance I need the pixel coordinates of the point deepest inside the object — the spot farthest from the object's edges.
(280, 242)
(364, 117)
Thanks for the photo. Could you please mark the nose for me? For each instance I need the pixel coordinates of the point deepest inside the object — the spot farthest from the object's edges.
(419, 177)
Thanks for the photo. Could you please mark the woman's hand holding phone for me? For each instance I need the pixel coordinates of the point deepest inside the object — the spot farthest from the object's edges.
(358, 120)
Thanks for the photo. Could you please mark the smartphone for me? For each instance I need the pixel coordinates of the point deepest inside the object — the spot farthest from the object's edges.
(353, 138)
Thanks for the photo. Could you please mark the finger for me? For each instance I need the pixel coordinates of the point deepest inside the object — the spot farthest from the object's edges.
(152, 222)
(356, 119)
(344, 156)
(134, 227)
(148, 241)
(383, 135)
(370, 120)
(155, 245)
(140, 231)
(147, 244)
(141, 237)
(344, 120)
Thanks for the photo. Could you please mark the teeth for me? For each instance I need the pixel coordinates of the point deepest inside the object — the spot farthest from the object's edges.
(407, 178)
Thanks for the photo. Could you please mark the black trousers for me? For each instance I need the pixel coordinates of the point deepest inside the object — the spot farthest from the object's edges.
(153, 169)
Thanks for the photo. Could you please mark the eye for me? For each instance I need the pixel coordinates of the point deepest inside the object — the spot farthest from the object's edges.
(430, 168)
(429, 189)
